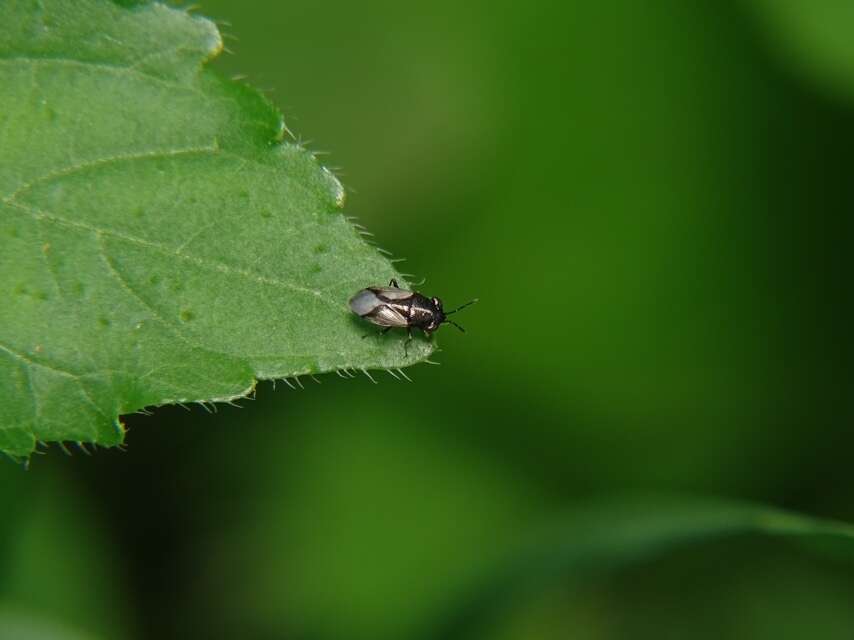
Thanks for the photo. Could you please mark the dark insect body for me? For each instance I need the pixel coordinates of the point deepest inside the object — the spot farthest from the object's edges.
(391, 307)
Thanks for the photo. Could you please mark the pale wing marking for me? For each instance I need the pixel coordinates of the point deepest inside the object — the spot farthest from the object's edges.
(390, 293)
(386, 316)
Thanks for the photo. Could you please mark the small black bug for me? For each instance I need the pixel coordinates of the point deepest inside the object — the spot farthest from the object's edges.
(392, 307)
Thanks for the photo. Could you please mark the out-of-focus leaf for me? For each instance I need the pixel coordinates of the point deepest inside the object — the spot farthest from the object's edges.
(363, 525)
(159, 242)
(609, 536)
(58, 543)
(814, 37)
(660, 279)
(19, 625)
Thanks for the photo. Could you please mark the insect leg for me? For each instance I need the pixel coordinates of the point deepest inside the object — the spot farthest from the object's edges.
(393, 283)
(382, 332)
(408, 340)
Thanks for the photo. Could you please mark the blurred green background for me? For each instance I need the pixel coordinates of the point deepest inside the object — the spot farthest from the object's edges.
(653, 201)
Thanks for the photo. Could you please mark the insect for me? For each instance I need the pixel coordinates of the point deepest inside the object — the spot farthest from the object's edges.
(392, 307)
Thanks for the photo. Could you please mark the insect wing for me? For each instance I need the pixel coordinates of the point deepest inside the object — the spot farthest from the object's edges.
(387, 316)
(374, 305)
(392, 311)
(391, 294)
(383, 306)
(364, 302)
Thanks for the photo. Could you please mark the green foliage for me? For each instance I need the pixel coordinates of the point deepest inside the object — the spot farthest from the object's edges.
(814, 38)
(55, 541)
(471, 540)
(312, 481)
(159, 242)
(611, 536)
(21, 626)
(645, 177)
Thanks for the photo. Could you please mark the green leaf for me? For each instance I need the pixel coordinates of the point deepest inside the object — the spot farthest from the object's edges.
(610, 536)
(813, 37)
(22, 625)
(159, 241)
(48, 515)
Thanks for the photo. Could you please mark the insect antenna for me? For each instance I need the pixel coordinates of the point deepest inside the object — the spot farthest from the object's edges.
(456, 325)
(461, 307)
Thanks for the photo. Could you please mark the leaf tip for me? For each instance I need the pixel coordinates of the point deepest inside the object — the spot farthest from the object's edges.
(339, 194)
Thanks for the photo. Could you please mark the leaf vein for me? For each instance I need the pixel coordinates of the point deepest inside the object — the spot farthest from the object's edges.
(113, 269)
(99, 162)
(24, 365)
(40, 214)
(46, 61)
(29, 363)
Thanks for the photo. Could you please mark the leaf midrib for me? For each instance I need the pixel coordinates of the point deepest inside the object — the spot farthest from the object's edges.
(216, 265)
(102, 66)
